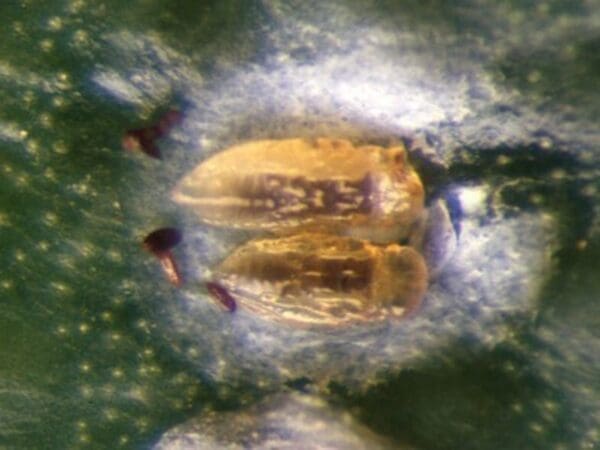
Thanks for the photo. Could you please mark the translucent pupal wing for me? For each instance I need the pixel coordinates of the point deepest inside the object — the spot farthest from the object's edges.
(314, 280)
(435, 237)
(369, 192)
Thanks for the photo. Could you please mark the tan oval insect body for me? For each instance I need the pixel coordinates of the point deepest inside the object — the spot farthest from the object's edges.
(314, 280)
(327, 185)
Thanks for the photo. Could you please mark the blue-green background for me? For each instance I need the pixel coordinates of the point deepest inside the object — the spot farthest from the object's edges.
(82, 362)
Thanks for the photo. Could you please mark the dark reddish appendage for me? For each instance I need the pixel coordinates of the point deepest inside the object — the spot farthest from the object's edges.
(160, 242)
(144, 139)
(220, 294)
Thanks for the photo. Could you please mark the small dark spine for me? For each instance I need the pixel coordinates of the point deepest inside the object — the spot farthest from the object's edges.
(220, 294)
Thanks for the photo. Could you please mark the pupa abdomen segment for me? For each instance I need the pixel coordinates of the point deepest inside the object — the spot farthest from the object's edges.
(369, 192)
(314, 280)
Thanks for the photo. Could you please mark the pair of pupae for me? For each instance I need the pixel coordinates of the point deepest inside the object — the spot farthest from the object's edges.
(336, 215)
